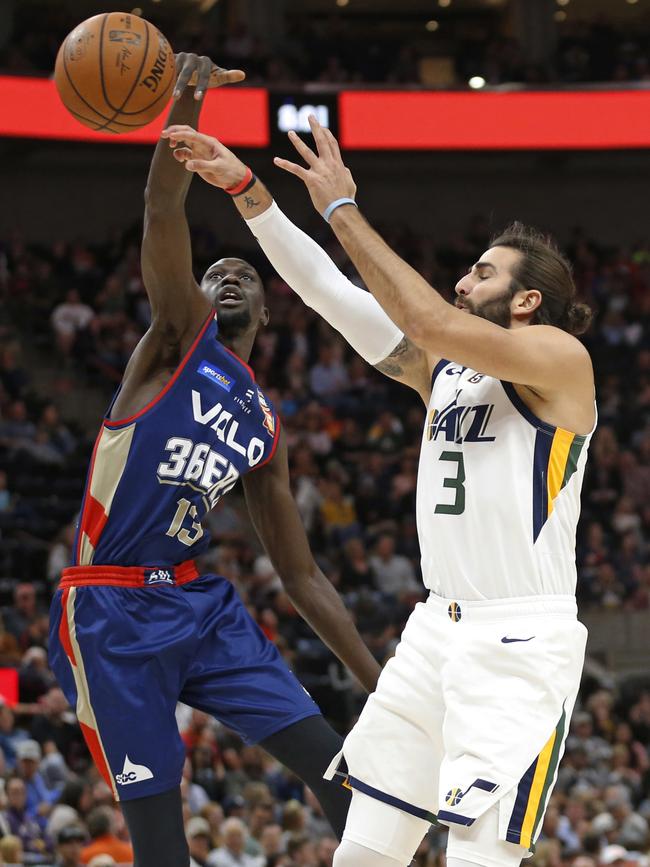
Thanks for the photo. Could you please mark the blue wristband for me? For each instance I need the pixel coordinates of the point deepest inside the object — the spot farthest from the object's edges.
(329, 210)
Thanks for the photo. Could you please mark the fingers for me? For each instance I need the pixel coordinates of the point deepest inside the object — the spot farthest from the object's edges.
(202, 76)
(182, 132)
(305, 152)
(219, 76)
(199, 165)
(182, 154)
(186, 71)
(329, 135)
(292, 168)
(322, 143)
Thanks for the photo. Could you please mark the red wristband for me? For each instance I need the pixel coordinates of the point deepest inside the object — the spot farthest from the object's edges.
(241, 186)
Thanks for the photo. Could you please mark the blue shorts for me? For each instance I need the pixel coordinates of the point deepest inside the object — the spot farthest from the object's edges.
(126, 644)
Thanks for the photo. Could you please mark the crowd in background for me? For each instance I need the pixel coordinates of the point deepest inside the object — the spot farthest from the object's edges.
(354, 438)
(338, 49)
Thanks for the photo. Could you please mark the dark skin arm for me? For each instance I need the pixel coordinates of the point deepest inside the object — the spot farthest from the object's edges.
(207, 157)
(275, 516)
(176, 301)
(178, 308)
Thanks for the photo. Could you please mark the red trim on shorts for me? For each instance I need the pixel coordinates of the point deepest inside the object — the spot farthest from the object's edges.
(64, 629)
(92, 740)
(124, 576)
(116, 422)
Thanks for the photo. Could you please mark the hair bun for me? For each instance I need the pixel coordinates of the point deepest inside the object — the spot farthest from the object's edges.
(579, 318)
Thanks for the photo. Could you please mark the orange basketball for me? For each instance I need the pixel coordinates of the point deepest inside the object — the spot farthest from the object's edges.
(115, 72)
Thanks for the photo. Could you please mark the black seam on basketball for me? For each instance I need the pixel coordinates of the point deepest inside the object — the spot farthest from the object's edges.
(160, 95)
(137, 77)
(135, 82)
(101, 63)
(74, 86)
(100, 126)
(146, 107)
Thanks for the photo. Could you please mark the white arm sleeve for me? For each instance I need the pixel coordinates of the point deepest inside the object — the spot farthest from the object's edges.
(311, 273)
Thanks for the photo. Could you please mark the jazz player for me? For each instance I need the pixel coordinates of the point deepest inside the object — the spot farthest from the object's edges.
(134, 627)
(469, 718)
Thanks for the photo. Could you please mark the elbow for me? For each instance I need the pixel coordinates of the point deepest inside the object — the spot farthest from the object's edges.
(424, 331)
(159, 203)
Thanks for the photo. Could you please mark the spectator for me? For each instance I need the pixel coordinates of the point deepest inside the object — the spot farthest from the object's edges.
(70, 319)
(199, 840)
(101, 861)
(232, 853)
(58, 725)
(39, 796)
(325, 849)
(69, 844)
(103, 841)
(392, 573)
(24, 612)
(328, 377)
(19, 823)
(300, 850)
(12, 851)
(10, 735)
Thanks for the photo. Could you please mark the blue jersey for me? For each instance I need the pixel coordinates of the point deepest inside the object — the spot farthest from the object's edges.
(154, 476)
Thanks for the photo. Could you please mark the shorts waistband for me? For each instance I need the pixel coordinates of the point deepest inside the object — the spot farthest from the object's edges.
(128, 576)
(496, 609)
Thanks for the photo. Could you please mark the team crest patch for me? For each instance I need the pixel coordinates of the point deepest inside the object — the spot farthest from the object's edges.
(269, 421)
(210, 371)
(455, 796)
(158, 576)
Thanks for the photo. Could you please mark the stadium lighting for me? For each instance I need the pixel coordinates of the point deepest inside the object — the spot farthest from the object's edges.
(476, 82)
(432, 26)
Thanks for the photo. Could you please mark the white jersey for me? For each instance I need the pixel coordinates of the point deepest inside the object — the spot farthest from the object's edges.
(498, 495)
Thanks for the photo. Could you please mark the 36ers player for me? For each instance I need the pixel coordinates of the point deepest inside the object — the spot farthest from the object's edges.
(134, 627)
(468, 720)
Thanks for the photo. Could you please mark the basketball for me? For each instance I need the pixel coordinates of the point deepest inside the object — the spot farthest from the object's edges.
(115, 72)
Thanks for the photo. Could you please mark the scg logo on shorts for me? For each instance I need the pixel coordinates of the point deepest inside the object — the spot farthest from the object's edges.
(132, 773)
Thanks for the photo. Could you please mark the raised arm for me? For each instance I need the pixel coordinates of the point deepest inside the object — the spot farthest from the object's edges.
(177, 305)
(277, 521)
(536, 357)
(306, 267)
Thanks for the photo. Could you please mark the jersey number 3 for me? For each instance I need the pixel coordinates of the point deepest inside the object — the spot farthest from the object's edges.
(456, 482)
(176, 528)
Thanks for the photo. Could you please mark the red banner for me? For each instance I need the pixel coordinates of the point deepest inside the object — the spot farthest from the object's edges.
(31, 108)
(377, 120)
(370, 120)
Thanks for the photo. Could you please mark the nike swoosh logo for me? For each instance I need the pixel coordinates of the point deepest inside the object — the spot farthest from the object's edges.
(506, 640)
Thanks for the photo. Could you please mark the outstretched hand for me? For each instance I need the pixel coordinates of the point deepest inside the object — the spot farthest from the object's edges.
(206, 156)
(202, 74)
(327, 178)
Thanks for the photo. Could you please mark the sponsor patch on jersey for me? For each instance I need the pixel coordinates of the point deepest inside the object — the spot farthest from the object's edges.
(158, 576)
(210, 371)
(269, 421)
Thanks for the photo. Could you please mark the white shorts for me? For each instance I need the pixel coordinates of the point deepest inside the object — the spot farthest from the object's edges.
(471, 712)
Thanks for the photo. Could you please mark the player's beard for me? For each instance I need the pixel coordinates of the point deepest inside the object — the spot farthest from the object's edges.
(233, 322)
(495, 310)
